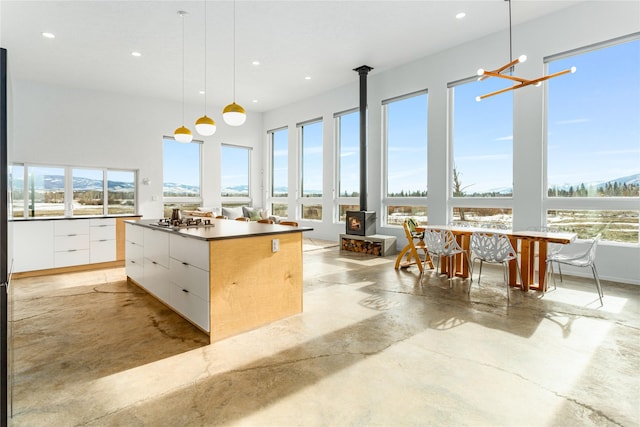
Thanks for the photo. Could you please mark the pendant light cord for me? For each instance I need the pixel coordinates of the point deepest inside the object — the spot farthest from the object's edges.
(205, 57)
(234, 51)
(182, 16)
(510, 40)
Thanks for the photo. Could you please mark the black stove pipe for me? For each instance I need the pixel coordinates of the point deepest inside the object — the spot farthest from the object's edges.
(363, 70)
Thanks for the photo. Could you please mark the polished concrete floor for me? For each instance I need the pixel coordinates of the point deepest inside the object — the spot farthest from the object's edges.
(373, 347)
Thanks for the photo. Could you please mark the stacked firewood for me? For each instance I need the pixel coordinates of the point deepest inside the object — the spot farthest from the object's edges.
(362, 246)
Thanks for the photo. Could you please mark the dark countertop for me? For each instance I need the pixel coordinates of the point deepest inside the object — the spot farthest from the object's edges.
(223, 229)
(57, 218)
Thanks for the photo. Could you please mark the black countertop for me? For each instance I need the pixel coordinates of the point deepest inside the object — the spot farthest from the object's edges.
(222, 229)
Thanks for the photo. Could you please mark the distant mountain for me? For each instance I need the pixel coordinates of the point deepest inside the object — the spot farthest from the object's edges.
(628, 180)
(180, 189)
(56, 183)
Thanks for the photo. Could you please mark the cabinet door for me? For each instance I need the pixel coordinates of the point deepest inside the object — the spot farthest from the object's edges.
(134, 233)
(71, 227)
(191, 306)
(156, 281)
(190, 250)
(134, 262)
(102, 251)
(71, 257)
(156, 246)
(190, 278)
(32, 245)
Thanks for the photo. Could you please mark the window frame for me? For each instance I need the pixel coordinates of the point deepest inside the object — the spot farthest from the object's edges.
(271, 199)
(173, 200)
(230, 201)
(582, 203)
(351, 202)
(302, 198)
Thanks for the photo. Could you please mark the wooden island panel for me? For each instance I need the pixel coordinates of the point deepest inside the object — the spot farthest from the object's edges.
(250, 285)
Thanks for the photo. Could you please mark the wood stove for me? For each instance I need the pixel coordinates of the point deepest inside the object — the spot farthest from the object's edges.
(361, 223)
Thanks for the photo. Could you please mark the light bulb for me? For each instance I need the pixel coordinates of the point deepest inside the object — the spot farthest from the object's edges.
(573, 70)
(522, 58)
(234, 115)
(480, 71)
(478, 99)
(182, 134)
(205, 126)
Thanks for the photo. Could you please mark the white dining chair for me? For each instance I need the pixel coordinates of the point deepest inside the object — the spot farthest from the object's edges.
(493, 247)
(441, 243)
(571, 255)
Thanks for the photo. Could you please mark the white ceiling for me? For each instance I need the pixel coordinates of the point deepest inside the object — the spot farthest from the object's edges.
(292, 39)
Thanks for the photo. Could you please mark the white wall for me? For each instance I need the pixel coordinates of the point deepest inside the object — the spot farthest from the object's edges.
(57, 125)
(575, 27)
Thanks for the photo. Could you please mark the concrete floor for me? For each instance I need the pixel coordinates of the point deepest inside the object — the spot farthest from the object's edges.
(373, 347)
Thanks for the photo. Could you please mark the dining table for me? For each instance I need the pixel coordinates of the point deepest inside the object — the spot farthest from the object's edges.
(532, 248)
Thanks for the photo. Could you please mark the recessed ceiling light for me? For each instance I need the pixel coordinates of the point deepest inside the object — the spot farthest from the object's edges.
(460, 15)
(136, 54)
(256, 63)
(49, 35)
(308, 78)
(255, 101)
(202, 92)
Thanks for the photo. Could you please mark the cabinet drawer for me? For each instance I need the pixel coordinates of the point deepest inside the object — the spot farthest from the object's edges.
(190, 278)
(72, 242)
(71, 257)
(156, 281)
(102, 222)
(156, 246)
(192, 251)
(104, 232)
(191, 306)
(134, 251)
(134, 233)
(103, 251)
(71, 227)
(135, 270)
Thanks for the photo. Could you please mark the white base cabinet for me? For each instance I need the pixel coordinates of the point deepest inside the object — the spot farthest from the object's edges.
(175, 270)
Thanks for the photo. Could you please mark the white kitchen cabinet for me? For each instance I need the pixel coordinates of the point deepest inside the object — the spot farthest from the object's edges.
(190, 306)
(190, 250)
(156, 280)
(33, 245)
(102, 234)
(134, 252)
(156, 246)
(71, 242)
(190, 278)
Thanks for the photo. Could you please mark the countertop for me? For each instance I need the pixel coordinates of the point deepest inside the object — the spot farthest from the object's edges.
(222, 229)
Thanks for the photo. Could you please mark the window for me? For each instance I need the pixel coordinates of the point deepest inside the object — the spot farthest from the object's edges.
(45, 193)
(62, 191)
(181, 176)
(88, 191)
(482, 135)
(593, 141)
(348, 142)
(235, 173)
(279, 140)
(405, 124)
(311, 169)
(121, 192)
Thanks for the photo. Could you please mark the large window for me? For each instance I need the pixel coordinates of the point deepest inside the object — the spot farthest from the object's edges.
(235, 178)
(593, 141)
(311, 169)
(181, 176)
(348, 143)
(482, 135)
(279, 141)
(405, 124)
(88, 191)
(64, 191)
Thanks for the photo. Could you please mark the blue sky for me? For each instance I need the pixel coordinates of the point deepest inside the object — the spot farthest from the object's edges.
(593, 132)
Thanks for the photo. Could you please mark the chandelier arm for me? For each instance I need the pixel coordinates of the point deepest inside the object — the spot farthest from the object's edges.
(505, 76)
(498, 92)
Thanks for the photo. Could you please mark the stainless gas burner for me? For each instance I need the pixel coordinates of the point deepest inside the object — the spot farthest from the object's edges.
(184, 223)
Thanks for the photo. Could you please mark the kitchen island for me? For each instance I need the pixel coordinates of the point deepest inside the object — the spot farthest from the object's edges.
(226, 277)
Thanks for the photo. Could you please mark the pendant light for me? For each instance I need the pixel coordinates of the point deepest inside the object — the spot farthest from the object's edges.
(520, 82)
(205, 125)
(182, 134)
(233, 114)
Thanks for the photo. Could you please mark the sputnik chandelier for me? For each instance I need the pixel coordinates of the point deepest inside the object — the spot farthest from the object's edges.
(520, 82)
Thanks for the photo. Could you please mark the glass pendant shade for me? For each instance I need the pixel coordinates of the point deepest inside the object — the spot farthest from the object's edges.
(182, 134)
(205, 126)
(234, 115)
